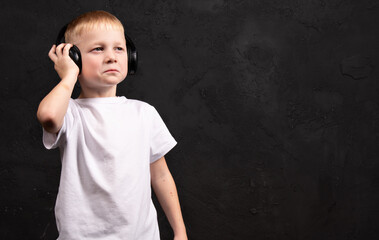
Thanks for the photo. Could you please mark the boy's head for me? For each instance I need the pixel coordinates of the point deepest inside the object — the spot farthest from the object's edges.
(100, 20)
(100, 37)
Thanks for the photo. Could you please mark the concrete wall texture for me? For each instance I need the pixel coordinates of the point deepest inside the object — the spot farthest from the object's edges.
(274, 105)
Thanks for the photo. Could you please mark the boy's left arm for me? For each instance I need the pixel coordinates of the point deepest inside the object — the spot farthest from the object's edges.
(165, 190)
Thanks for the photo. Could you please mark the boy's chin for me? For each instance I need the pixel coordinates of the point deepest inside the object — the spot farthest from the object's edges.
(109, 80)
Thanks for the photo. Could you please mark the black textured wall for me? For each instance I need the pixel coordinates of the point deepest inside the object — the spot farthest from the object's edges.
(274, 105)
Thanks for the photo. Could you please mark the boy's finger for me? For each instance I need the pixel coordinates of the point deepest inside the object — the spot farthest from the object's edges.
(52, 55)
(59, 50)
(53, 47)
(66, 49)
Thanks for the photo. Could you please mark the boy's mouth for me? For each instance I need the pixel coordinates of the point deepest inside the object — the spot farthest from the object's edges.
(111, 70)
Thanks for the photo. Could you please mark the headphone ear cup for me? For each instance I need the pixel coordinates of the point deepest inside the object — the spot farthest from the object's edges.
(133, 60)
(132, 56)
(75, 55)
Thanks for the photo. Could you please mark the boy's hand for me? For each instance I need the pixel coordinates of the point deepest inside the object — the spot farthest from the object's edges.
(63, 64)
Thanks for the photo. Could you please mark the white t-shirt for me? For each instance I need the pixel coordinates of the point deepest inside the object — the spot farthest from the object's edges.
(106, 147)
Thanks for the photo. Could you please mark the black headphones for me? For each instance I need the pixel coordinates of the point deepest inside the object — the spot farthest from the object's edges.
(75, 55)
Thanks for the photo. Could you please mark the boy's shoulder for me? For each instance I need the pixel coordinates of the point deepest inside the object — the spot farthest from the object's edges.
(139, 103)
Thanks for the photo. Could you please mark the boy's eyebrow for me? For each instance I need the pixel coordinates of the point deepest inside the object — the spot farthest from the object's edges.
(103, 43)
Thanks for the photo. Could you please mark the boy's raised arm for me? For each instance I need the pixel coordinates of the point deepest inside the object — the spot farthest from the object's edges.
(53, 107)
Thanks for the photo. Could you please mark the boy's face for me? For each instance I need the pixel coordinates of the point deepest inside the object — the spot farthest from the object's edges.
(104, 58)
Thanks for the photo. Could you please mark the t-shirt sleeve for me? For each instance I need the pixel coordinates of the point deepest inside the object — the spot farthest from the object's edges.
(161, 140)
(53, 140)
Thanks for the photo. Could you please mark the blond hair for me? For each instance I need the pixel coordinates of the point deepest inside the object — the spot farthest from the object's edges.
(91, 20)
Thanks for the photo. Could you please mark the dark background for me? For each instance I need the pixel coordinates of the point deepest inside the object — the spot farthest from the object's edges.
(274, 105)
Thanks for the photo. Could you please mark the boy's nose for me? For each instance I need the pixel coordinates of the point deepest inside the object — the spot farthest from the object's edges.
(110, 57)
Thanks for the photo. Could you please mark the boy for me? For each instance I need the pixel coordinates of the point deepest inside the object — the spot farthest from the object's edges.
(111, 147)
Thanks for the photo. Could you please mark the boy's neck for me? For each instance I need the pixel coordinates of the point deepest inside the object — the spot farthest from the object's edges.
(111, 92)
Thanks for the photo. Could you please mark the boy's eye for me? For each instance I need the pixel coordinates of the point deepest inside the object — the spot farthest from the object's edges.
(98, 49)
(119, 48)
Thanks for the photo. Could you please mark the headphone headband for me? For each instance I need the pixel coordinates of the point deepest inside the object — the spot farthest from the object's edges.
(60, 37)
